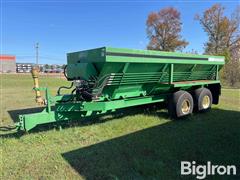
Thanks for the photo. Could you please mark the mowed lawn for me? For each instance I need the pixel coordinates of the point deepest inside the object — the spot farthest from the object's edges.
(131, 144)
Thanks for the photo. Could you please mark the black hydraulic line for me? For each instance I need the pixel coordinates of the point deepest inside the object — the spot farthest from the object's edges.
(64, 87)
(70, 99)
(73, 90)
(8, 128)
(64, 72)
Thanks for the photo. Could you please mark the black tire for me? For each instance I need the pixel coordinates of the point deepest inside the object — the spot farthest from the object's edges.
(202, 99)
(176, 103)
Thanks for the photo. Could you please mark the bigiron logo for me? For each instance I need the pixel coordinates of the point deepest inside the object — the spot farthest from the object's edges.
(202, 171)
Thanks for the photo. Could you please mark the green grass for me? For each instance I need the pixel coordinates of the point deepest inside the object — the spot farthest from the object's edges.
(132, 144)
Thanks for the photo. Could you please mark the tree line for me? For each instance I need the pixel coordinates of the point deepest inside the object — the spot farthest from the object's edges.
(223, 32)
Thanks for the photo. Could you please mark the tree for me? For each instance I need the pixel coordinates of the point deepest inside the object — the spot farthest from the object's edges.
(163, 30)
(223, 32)
(232, 68)
(223, 38)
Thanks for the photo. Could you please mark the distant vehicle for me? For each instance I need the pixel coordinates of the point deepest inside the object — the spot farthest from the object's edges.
(27, 70)
(47, 70)
(59, 70)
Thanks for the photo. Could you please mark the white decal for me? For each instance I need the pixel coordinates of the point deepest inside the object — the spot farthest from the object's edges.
(216, 59)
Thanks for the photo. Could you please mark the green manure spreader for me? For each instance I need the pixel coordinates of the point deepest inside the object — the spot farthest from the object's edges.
(106, 79)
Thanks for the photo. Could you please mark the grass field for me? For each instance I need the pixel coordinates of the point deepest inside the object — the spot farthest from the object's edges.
(132, 144)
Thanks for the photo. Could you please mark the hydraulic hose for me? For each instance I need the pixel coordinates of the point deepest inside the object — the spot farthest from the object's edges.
(64, 87)
(64, 72)
(8, 128)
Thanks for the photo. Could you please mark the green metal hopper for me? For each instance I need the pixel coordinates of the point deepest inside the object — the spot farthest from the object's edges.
(106, 79)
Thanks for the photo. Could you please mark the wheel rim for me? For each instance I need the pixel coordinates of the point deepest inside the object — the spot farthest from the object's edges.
(206, 102)
(186, 106)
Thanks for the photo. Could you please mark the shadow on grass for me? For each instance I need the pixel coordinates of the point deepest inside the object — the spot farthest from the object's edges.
(10, 131)
(156, 153)
(15, 113)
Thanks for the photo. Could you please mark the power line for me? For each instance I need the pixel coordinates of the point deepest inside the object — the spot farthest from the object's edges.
(37, 53)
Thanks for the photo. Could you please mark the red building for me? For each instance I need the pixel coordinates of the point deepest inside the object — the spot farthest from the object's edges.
(7, 63)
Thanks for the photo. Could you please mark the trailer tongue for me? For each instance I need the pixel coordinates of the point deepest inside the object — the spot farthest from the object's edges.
(106, 79)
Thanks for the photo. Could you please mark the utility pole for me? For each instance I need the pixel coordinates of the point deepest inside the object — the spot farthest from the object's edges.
(36, 47)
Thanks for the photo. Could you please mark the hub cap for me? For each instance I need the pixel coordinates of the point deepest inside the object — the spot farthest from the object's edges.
(206, 102)
(186, 106)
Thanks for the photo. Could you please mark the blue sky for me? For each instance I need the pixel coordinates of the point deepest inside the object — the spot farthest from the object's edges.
(66, 26)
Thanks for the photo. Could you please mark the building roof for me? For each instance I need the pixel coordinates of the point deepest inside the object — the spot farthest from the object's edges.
(19, 63)
(7, 58)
